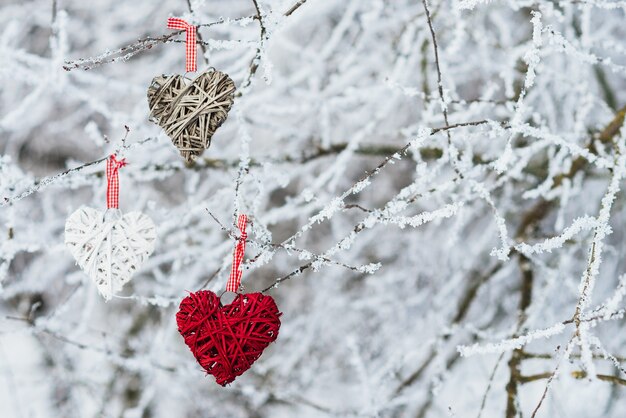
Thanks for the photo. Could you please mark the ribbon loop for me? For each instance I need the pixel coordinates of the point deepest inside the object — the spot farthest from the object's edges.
(190, 40)
(234, 281)
(113, 181)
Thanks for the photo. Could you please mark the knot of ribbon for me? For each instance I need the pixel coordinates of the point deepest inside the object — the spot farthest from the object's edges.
(190, 40)
(234, 281)
(113, 181)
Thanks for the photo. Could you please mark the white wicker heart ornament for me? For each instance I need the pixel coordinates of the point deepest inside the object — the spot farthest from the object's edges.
(109, 250)
(110, 246)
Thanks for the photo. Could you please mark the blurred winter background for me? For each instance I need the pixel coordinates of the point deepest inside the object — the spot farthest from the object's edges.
(479, 272)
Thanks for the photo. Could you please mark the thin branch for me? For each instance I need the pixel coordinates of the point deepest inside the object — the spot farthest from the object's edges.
(294, 273)
(368, 150)
(476, 280)
(294, 7)
(483, 402)
(242, 171)
(546, 356)
(551, 377)
(437, 64)
(115, 356)
(211, 277)
(254, 64)
(612, 379)
(444, 106)
(515, 362)
(533, 378)
(538, 212)
(596, 247)
(44, 182)
(578, 374)
(363, 180)
(231, 233)
(121, 54)
(361, 226)
(126, 52)
(258, 14)
(355, 206)
(526, 355)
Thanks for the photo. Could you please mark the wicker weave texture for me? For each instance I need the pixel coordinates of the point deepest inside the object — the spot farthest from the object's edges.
(191, 112)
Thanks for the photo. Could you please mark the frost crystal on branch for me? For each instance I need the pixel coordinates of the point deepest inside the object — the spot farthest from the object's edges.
(435, 191)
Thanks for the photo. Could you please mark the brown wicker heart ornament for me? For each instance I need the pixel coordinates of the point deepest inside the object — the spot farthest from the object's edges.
(191, 112)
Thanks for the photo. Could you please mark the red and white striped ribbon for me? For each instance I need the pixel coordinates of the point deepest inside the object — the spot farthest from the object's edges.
(113, 181)
(234, 281)
(190, 40)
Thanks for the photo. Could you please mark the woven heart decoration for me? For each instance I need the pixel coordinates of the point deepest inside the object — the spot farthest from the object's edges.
(191, 112)
(227, 339)
(109, 250)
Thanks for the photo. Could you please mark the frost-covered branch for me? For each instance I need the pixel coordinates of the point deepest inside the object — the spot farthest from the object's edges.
(442, 181)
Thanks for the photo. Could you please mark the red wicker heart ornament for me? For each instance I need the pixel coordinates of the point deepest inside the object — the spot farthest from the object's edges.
(227, 339)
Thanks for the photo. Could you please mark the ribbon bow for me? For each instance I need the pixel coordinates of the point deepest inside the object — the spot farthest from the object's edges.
(113, 181)
(234, 281)
(190, 40)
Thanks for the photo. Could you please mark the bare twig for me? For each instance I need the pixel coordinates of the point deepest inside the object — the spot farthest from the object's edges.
(533, 378)
(612, 379)
(231, 233)
(444, 106)
(359, 207)
(366, 178)
(483, 402)
(515, 361)
(551, 377)
(368, 150)
(437, 65)
(121, 54)
(294, 7)
(243, 170)
(476, 280)
(538, 212)
(42, 183)
(126, 52)
(254, 64)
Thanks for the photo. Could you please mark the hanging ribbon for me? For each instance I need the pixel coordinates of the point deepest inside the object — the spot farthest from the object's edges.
(113, 181)
(234, 281)
(190, 40)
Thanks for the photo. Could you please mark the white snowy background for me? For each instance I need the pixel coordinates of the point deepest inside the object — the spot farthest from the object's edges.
(478, 271)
